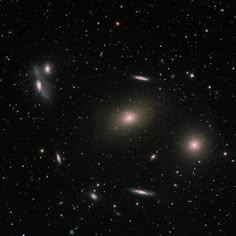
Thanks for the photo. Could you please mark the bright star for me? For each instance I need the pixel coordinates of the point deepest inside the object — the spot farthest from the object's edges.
(117, 23)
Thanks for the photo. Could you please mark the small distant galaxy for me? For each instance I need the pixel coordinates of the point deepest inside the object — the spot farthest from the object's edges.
(58, 158)
(153, 157)
(93, 196)
(47, 69)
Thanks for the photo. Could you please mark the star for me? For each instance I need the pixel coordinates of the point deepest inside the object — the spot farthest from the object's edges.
(117, 23)
(41, 150)
(191, 75)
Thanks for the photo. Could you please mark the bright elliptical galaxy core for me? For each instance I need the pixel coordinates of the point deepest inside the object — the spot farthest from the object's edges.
(117, 118)
(129, 118)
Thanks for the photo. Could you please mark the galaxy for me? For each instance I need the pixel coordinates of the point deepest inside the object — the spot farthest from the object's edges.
(141, 78)
(47, 69)
(194, 145)
(117, 118)
(58, 158)
(42, 84)
(93, 196)
(142, 192)
(129, 118)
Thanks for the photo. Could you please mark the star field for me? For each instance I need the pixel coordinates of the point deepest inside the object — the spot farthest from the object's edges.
(117, 118)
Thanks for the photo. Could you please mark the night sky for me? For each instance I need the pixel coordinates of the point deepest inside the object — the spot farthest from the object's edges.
(117, 118)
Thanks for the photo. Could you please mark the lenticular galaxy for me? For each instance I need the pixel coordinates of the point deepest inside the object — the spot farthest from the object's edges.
(141, 78)
(143, 192)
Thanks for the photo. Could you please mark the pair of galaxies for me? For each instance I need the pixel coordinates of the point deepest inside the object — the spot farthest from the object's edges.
(192, 145)
(41, 82)
(135, 191)
(58, 156)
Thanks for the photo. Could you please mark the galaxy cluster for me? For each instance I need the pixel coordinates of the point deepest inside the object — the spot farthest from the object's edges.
(117, 118)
